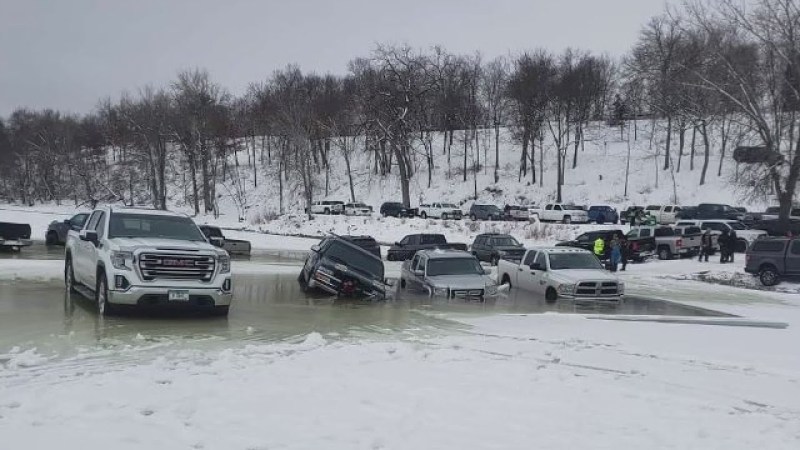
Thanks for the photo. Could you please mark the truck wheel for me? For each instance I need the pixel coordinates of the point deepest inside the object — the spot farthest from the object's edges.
(101, 296)
(221, 311)
(550, 296)
(768, 276)
(506, 280)
(301, 280)
(402, 283)
(423, 214)
(741, 246)
(327, 211)
(601, 220)
(472, 217)
(51, 238)
(567, 220)
(69, 276)
(664, 253)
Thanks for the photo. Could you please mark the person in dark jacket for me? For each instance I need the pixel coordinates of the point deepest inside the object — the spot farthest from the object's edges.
(723, 247)
(732, 241)
(616, 254)
(625, 250)
(705, 245)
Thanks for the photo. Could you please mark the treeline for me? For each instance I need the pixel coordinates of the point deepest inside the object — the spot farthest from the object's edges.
(711, 72)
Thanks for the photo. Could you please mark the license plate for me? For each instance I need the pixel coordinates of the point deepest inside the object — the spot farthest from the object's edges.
(179, 296)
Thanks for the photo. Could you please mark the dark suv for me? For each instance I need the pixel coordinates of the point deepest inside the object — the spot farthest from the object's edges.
(485, 212)
(341, 268)
(493, 247)
(770, 259)
(396, 209)
(602, 214)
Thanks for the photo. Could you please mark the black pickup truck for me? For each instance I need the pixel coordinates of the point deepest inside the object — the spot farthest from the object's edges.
(337, 266)
(217, 239)
(409, 245)
(14, 236)
(641, 248)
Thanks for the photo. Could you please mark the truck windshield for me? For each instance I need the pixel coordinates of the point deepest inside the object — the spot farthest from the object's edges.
(153, 226)
(454, 266)
(562, 261)
(355, 259)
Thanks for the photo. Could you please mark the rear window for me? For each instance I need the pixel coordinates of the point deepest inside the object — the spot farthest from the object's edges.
(355, 259)
(768, 246)
(660, 232)
(653, 207)
(433, 239)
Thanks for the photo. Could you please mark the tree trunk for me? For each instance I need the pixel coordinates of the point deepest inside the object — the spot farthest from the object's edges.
(707, 152)
(669, 142)
(523, 167)
(681, 143)
(466, 142)
(578, 138)
(694, 139)
(496, 151)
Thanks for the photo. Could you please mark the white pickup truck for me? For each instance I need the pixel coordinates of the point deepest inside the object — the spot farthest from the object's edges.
(663, 214)
(561, 272)
(559, 212)
(146, 258)
(440, 211)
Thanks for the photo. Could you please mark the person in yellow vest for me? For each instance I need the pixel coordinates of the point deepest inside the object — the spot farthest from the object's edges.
(599, 247)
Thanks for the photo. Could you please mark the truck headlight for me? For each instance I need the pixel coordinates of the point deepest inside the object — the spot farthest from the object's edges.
(120, 260)
(440, 291)
(224, 262)
(566, 289)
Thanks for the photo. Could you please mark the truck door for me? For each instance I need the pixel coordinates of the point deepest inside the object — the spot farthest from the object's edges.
(536, 280)
(80, 252)
(92, 251)
(793, 258)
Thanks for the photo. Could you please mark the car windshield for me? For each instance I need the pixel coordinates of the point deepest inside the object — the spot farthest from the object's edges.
(454, 266)
(355, 259)
(78, 220)
(562, 261)
(505, 241)
(124, 225)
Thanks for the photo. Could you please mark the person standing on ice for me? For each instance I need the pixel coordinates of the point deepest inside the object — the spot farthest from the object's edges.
(732, 238)
(625, 251)
(599, 248)
(616, 254)
(705, 245)
(723, 247)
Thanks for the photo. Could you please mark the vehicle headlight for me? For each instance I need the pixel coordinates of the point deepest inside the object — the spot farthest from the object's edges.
(122, 260)
(567, 289)
(441, 291)
(491, 289)
(224, 262)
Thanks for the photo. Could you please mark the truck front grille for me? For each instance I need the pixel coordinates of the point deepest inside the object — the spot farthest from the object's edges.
(597, 289)
(464, 293)
(163, 266)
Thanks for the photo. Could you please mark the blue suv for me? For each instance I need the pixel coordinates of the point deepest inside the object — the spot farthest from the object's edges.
(603, 214)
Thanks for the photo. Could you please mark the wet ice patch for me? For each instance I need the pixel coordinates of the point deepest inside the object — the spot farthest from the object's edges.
(735, 279)
(17, 358)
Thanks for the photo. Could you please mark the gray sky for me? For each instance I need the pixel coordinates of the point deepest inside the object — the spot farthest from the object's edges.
(67, 54)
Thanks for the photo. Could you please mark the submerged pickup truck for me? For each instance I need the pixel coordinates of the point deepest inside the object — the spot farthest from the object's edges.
(561, 273)
(411, 244)
(146, 258)
(339, 267)
(669, 244)
(217, 239)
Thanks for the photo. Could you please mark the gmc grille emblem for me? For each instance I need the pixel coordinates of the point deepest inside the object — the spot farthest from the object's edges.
(178, 263)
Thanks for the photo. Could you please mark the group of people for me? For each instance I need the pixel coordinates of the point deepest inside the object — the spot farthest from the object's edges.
(617, 253)
(727, 246)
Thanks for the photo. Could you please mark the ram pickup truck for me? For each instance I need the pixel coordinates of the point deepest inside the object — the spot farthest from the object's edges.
(772, 259)
(640, 248)
(668, 243)
(217, 239)
(409, 245)
(14, 236)
(447, 274)
(561, 273)
(147, 258)
(339, 267)
(440, 211)
(559, 212)
(663, 214)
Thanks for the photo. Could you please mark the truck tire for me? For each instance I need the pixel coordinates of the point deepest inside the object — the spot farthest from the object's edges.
(506, 280)
(768, 275)
(472, 217)
(664, 253)
(550, 296)
(601, 219)
(221, 311)
(567, 220)
(51, 238)
(327, 211)
(423, 214)
(69, 275)
(104, 308)
(741, 246)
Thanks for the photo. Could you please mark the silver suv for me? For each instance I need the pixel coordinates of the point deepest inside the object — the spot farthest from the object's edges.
(142, 257)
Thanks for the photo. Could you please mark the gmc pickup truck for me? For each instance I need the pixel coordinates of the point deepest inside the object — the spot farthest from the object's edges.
(559, 212)
(146, 258)
(560, 272)
(409, 245)
(668, 243)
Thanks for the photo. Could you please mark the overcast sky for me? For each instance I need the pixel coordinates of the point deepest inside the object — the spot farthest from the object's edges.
(67, 54)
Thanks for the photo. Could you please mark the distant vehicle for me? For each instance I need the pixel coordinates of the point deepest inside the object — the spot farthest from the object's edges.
(357, 209)
(717, 211)
(640, 248)
(368, 243)
(58, 229)
(339, 267)
(518, 212)
(744, 235)
(409, 245)
(772, 259)
(628, 215)
(773, 212)
(559, 272)
(560, 212)
(492, 247)
(396, 209)
(147, 258)
(663, 214)
(327, 207)
(773, 227)
(603, 214)
(218, 239)
(669, 244)
(485, 212)
(686, 213)
(440, 211)
(14, 236)
(693, 230)
(447, 274)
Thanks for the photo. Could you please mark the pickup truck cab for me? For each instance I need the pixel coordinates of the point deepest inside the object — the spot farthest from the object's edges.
(669, 244)
(492, 247)
(447, 274)
(218, 239)
(327, 207)
(561, 273)
(141, 257)
(411, 244)
(772, 259)
(663, 214)
(640, 248)
(744, 235)
(440, 211)
(560, 212)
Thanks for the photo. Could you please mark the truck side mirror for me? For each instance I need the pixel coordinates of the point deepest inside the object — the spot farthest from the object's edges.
(398, 244)
(315, 248)
(217, 241)
(89, 236)
(419, 273)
